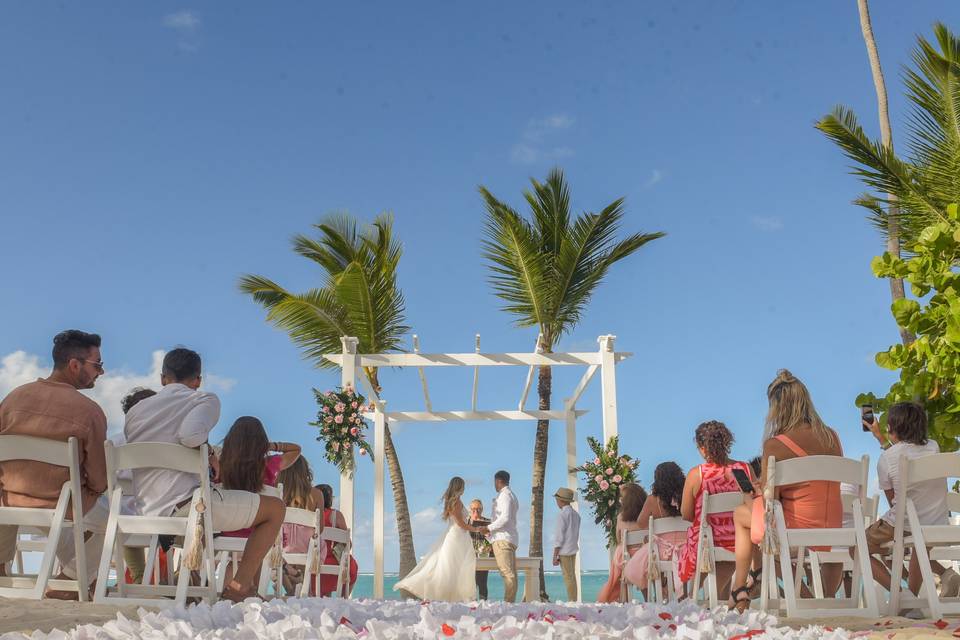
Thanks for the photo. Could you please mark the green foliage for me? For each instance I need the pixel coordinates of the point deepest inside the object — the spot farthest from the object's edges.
(930, 366)
(546, 269)
(605, 473)
(927, 178)
(358, 297)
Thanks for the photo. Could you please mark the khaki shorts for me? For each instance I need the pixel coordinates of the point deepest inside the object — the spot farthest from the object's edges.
(879, 536)
(231, 510)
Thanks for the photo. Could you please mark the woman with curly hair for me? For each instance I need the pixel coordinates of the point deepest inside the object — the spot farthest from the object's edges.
(713, 440)
(664, 501)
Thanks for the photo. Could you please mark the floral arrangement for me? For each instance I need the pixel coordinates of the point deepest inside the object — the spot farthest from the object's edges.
(341, 424)
(605, 474)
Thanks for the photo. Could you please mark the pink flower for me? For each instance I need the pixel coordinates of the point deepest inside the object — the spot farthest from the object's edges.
(339, 407)
(596, 461)
(604, 485)
(597, 478)
(326, 409)
(353, 405)
(618, 478)
(609, 471)
(363, 451)
(338, 418)
(353, 431)
(328, 419)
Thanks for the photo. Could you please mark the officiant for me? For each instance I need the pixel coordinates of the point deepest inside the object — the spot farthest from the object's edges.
(480, 544)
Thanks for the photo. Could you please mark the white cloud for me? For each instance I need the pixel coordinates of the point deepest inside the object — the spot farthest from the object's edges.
(187, 25)
(655, 177)
(533, 146)
(19, 367)
(183, 21)
(767, 223)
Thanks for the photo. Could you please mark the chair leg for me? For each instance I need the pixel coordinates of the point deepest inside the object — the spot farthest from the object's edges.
(929, 588)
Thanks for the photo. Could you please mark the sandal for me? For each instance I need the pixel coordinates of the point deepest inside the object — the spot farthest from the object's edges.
(235, 592)
(740, 604)
(753, 581)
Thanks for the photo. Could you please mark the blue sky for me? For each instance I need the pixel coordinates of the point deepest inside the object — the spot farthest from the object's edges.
(153, 153)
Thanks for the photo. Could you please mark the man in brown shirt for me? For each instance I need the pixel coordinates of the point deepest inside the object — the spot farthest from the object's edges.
(54, 408)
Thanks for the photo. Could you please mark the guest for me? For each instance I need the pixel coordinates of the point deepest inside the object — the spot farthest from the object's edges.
(907, 437)
(566, 540)
(247, 464)
(133, 557)
(664, 501)
(182, 414)
(333, 518)
(713, 440)
(632, 498)
(298, 493)
(53, 408)
(793, 429)
(480, 544)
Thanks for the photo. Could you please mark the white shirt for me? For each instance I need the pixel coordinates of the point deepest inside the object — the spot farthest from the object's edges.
(503, 524)
(566, 535)
(179, 415)
(929, 497)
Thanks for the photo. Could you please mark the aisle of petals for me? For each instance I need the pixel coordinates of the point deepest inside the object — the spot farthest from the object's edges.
(324, 619)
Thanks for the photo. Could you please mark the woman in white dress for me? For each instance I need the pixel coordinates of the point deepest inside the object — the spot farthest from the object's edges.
(447, 571)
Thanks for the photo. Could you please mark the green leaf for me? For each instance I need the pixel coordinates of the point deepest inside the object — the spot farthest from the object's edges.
(904, 311)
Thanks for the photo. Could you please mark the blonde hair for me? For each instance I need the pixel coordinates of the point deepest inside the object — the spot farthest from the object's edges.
(791, 407)
(297, 481)
(451, 497)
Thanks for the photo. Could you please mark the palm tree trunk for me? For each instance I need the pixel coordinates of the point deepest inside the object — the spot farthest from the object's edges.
(544, 390)
(408, 556)
(886, 138)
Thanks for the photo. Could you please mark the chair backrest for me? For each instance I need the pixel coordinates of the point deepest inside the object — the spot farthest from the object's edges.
(302, 517)
(938, 465)
(154, 455)
(335, 535)
(825, 468)
(37, 449)
(659, 526)
(721, 502)
(634, 537)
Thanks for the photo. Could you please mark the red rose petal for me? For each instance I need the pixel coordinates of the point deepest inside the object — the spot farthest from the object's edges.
(665, 616)
(657, 627)
(485, 627)
(345, 620)
(941, 624)
(673, 627)
(447, 630)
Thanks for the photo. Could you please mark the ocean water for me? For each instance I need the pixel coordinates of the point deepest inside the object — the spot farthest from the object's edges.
(591, 582)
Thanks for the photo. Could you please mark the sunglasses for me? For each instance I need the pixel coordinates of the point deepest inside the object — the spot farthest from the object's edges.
(98, 364)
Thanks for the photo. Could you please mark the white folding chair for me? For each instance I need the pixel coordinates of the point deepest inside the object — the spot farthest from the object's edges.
(63, 454)
(663, 568)
(632, 538)
(943, 539)
(304, 518)
(121, 528)
(840, 556)
(330, 536)
(708, 554)
(863, 599)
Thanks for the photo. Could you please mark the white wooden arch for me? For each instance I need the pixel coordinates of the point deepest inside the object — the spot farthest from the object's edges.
(352, 363)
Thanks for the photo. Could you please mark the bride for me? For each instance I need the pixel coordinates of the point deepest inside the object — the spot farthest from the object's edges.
(447, 571)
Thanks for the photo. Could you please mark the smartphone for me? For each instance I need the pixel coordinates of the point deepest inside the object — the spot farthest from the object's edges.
(866, 413)
(743, 480)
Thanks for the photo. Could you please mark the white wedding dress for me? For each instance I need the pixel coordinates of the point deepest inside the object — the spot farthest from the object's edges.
(447, 571)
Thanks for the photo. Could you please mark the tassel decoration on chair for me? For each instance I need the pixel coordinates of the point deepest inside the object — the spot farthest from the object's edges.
(193, 557)
(316, 559)
(771, 541)
(276, 553)
(653, 556)
(705, 565)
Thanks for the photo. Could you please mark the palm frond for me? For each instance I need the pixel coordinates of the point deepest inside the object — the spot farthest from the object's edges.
(550, 208)
(519, 268)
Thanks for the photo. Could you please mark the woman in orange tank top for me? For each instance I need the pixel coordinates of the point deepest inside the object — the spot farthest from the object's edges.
(793, 429)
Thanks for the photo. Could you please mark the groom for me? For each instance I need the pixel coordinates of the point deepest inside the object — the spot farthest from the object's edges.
(503, 533)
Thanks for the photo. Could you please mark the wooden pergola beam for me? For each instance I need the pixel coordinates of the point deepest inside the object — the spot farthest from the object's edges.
(477, 359)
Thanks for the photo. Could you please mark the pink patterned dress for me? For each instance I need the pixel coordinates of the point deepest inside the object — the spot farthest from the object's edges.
(715, 479)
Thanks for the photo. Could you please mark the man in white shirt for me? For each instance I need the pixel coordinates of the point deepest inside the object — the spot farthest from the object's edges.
(503, 533)
(182, 414)
(566, 541)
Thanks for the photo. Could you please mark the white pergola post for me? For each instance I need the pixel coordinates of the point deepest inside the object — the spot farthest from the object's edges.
(569, 406)
(608, 387)
(348, 377)
(379, 435)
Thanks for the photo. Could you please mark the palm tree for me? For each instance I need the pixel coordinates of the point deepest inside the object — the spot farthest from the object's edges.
(546, 270)
(886, 139)
(359, 297)
(928, 179)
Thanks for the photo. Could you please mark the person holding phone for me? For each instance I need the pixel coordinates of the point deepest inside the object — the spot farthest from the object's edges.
(716, 475)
